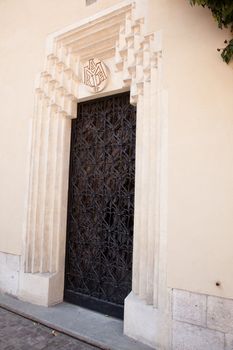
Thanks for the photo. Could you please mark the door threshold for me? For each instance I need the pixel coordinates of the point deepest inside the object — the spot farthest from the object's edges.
(88, 326)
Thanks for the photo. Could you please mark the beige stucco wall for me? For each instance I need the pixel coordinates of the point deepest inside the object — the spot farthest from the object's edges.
(200, 150)
(25, 25)
(200, 153)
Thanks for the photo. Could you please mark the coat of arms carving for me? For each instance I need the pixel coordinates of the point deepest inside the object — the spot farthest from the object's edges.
(95, 75)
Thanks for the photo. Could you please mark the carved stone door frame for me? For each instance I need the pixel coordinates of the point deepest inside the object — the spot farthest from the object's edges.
(117, 36)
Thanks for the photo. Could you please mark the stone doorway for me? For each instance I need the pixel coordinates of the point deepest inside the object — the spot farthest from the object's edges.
(134, 59)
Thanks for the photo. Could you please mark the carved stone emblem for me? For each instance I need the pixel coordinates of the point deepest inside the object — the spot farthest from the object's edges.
(95, 75)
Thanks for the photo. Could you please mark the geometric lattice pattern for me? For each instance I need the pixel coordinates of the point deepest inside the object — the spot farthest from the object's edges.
(101, 202)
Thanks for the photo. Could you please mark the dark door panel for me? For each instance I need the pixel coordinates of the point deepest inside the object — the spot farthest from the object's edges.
(101, 205)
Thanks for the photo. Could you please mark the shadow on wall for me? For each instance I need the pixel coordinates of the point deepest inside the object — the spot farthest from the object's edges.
(89, 2)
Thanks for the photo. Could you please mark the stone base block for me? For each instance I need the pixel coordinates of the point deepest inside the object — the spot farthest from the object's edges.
(189, 337)
(201, 322)
(140, 321)
(189, 307)
(42, 289)
(9, 273)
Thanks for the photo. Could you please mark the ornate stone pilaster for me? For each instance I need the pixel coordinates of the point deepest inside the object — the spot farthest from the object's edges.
(139, 57)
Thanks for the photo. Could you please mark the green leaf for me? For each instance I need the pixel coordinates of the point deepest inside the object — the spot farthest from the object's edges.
(222, 11)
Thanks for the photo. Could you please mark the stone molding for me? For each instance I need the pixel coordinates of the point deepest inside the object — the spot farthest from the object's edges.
(118, 35)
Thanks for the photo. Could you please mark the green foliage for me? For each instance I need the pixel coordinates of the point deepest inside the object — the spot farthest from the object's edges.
(222, 11)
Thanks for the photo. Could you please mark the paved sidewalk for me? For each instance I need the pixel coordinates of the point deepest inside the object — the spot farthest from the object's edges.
(18, 333)
(85, 325)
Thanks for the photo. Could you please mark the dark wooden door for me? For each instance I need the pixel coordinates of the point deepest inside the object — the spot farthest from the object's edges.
(101, 205)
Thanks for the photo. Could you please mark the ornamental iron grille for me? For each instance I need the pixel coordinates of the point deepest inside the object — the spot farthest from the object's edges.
(101, 205)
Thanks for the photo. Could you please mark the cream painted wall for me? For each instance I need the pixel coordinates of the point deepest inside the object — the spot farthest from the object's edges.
(24, 27)
(200, 172)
